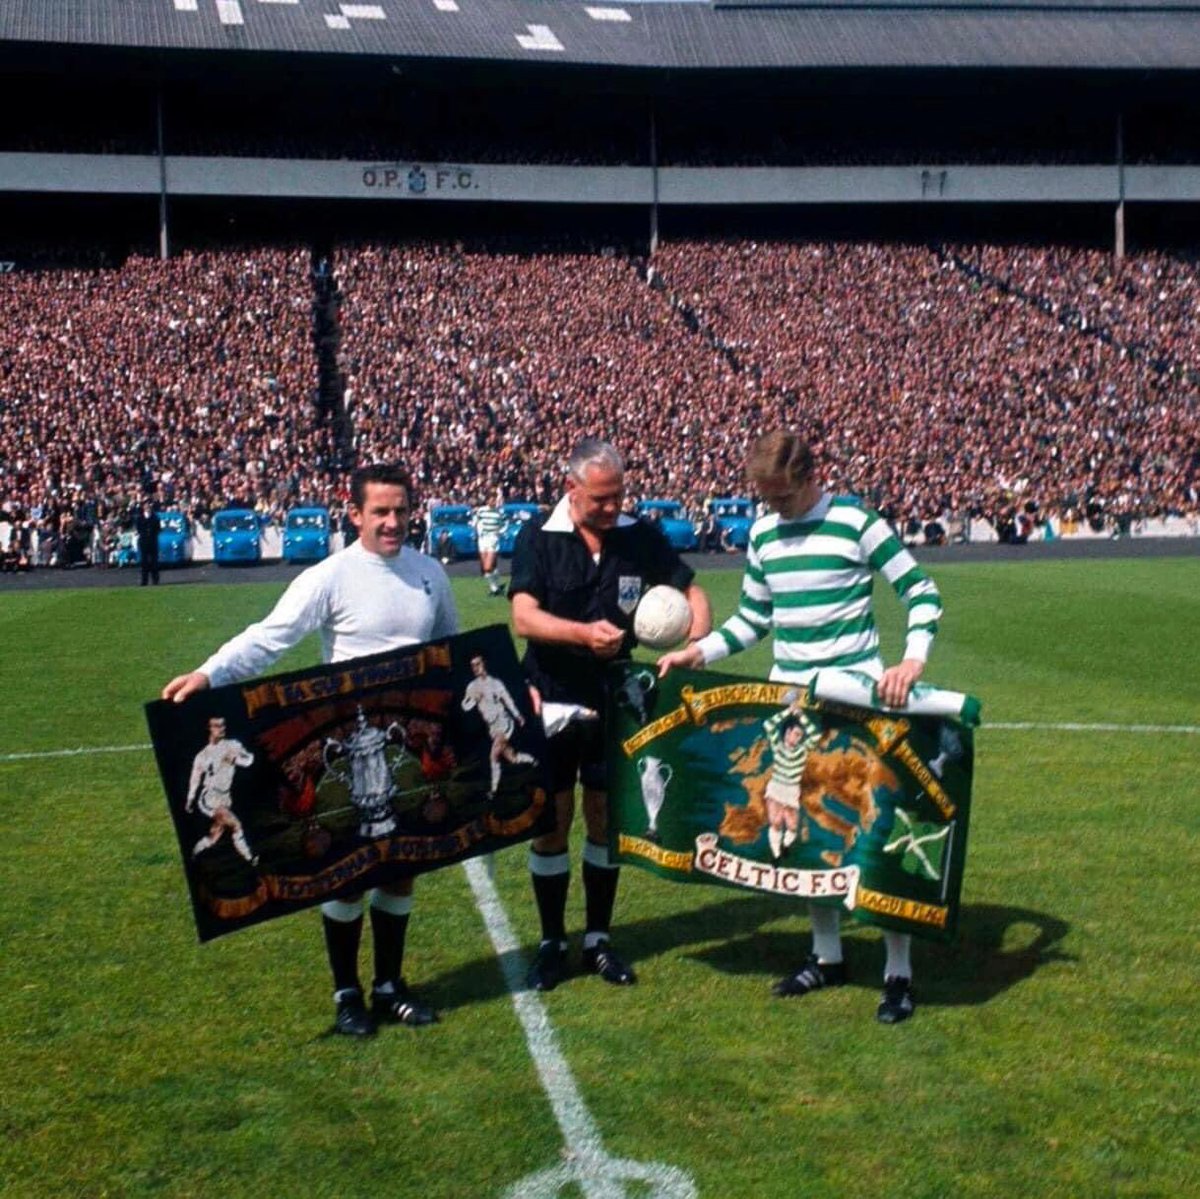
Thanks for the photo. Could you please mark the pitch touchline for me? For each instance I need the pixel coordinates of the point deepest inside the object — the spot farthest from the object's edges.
(1020, 726)
(1036, 726)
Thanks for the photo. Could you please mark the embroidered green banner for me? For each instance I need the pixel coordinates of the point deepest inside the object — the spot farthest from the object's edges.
(715, 779)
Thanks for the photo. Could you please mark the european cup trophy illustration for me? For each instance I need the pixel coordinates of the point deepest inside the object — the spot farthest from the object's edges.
(950, 749)
(635, 690)
(655, 775)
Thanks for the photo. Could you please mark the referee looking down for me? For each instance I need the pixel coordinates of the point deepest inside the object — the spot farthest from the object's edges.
(577, 575)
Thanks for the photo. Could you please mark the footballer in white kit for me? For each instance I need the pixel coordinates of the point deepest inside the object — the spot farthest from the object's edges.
(491, 699)
(211, 784)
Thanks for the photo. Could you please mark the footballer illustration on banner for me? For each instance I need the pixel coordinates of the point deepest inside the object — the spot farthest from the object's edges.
(803, 794)
(290, 790)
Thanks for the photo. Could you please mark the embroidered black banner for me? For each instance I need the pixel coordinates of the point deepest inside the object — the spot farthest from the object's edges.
(298, 788)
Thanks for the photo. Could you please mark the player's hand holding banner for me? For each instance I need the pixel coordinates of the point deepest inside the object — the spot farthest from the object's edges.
(290, 790)
(746, 783)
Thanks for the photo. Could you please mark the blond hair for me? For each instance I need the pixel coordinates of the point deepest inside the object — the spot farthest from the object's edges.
(781, 454)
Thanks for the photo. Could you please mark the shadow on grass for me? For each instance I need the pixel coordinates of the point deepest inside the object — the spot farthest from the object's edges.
(638, 941)
(997, 946)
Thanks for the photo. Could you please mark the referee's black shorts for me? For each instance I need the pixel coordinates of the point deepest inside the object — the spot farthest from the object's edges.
(578, 753)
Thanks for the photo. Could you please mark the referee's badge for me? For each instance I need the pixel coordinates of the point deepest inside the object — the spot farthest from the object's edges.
(629, 591)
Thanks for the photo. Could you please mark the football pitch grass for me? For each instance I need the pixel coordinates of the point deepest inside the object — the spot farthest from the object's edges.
(1054, 1051)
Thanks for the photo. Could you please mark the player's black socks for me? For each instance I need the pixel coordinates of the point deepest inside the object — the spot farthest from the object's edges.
(388, 932)
(599, 888)
(342, 939)
(551, 875)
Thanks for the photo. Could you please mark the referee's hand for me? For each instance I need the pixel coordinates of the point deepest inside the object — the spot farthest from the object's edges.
(603, 638)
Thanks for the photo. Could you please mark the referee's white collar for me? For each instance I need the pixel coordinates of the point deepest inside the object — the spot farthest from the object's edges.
(559, 521)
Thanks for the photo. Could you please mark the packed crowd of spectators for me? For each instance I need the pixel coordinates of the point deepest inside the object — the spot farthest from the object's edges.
(938, 390)
(941, 382)
(190, 380)
(484, 368)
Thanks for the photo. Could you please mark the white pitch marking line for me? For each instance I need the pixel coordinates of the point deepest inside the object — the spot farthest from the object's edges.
(1037, 726)
(588, 1164)
(1025, 726)
(82, 751)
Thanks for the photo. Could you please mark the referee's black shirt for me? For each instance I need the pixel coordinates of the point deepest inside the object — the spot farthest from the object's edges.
(555, 567)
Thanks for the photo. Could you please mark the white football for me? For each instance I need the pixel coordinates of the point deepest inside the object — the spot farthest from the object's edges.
(662, 618)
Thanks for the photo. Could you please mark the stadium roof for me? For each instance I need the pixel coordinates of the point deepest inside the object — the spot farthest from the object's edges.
(1053, 34)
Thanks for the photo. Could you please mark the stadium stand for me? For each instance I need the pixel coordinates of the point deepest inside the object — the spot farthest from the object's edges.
(943, 383)
(353, 290)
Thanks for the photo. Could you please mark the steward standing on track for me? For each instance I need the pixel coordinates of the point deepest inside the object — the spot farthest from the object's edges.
(148, 526)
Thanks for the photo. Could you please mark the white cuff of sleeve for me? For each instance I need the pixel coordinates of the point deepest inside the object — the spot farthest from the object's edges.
(918, 644)
(714, 647)
(215, 675)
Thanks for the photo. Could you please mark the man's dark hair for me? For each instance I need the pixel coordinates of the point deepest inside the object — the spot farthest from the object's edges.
(379, 472)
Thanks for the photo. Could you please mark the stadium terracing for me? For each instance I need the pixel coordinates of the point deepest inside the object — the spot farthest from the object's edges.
(486, 182)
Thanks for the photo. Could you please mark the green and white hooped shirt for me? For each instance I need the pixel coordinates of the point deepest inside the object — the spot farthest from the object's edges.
(808, 581)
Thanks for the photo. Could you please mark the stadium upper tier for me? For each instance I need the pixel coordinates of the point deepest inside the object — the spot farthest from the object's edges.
(836, 34)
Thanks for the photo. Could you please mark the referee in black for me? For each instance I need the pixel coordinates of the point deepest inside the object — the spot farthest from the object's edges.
(577, 575)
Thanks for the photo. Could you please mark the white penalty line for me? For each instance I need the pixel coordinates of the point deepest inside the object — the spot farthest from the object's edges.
(1019, 726)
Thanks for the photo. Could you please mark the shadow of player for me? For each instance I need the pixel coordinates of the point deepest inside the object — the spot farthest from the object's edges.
(996, 947)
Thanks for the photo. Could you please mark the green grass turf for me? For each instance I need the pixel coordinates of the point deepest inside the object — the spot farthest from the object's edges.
(1054, 1052)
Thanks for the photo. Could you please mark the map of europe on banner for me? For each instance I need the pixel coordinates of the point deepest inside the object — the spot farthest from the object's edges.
(290, 790)
(714, 779)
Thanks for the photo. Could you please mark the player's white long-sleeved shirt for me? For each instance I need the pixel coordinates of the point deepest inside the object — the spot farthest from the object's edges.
(808, 582)
(360, 602)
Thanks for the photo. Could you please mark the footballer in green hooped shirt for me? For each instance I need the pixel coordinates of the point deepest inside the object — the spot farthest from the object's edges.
(808, 584)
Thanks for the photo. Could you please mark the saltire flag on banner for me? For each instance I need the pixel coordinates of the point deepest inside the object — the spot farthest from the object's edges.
(290, 790)
(716, 779)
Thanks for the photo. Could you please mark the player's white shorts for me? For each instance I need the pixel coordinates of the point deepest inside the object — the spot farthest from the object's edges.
(787, 794)
(489, 544)
(213, 801)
